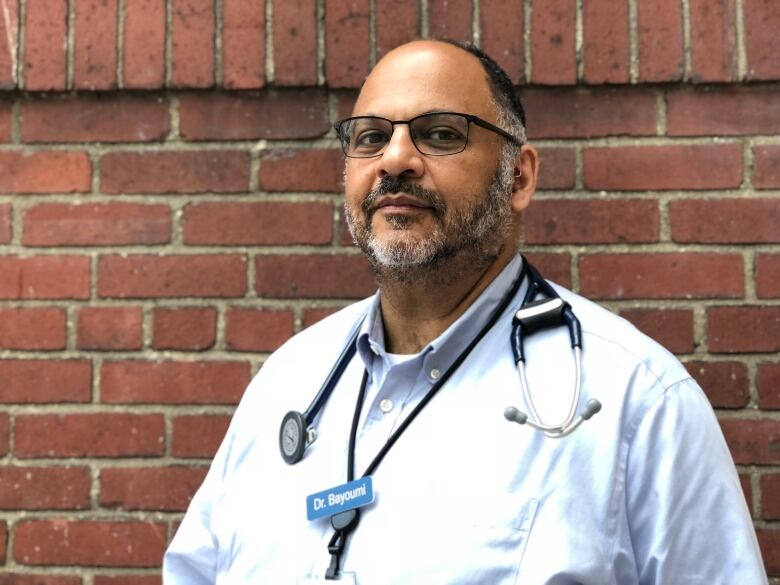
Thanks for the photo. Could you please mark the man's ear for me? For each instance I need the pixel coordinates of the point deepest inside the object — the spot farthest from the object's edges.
(526, 173)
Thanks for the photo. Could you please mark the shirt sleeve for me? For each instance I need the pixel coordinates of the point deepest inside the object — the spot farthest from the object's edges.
(688, 520)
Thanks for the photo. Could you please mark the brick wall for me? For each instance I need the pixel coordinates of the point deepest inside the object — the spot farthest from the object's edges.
(170, 212)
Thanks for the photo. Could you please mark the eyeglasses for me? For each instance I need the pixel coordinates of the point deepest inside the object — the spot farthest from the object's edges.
(435, 134)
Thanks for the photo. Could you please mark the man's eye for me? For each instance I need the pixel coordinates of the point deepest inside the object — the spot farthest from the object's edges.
(443, 134)
(371, 138)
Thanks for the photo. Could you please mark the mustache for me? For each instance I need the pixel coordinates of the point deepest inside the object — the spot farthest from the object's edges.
(392, 185)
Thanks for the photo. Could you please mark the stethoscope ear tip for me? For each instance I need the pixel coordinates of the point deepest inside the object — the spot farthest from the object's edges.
(513, 415)
(591, 407)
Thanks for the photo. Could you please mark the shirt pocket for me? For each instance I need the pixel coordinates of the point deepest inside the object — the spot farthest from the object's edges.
(458, 539)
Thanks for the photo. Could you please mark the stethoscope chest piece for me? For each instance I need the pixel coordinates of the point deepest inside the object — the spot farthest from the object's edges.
(293, 437)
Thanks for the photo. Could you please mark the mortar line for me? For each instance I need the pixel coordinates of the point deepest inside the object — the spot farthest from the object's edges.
(476, 28)
(527, 44)
(742, 71)
(11, 34)
(372, 38)
(579, 39)
(687, 57)
(633, 42)
(424, 20)
(219, 24)
(661, 109)
(70, 43)
(321, 42)
(120, 43)
(270, 70)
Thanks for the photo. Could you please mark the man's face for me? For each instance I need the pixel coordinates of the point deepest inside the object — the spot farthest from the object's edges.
(407, 210)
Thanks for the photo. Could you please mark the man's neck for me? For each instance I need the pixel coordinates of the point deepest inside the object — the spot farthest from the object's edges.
(416, 313)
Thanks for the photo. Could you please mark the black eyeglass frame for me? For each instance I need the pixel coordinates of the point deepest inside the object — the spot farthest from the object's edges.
(470, 119)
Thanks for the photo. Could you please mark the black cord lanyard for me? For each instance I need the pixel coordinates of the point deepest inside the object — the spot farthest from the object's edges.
(345, 522)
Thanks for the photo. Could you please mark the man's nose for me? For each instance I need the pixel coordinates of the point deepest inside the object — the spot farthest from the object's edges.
(401, 157)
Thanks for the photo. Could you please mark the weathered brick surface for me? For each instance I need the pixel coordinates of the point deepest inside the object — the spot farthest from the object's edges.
(4, 438)
(713, 40)
(172, 276)
(121, 118)
(313, 276)
(555, 267)
(39, 381)
(302, 170)
(743, 329)
(725, 383)
(257, 330)
(723, 111)
(92, 543)
(767, 167)
(45, 45)
(769, 385)
(672, 328)
(730, 221)
(752, 441)
(6, 109)
(272, 115)
(106, 434)
(192, 328)
(44, 277)
(768, 275)
(32, 329)
(44, 488)
(553, 42)
(149, 488)
(198, 435)
(346, 42)
(635, 168)
(97, 224)
(44, 171)
(450, 19)
(109, 328)
(605, 32)
(762, 21)
(243, 44)
(11, 31)
(173, 382)
(295, 42)
(95, 40)
(5, 223)
(559, 168)
(143, 64)
(397, 22)
(127, 580)
(192, 45)
(660, 32)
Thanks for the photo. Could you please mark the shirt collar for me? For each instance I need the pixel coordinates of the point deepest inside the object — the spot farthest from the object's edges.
(445, 348)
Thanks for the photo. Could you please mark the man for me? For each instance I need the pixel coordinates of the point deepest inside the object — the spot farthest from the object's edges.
(437, 176)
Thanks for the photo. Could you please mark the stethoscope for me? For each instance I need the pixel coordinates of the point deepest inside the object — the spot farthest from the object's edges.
(297, 430)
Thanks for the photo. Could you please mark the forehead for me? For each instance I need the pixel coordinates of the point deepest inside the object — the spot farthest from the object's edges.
(423, 76)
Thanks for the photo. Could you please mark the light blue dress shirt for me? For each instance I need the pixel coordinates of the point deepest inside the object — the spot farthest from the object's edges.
(643, 493)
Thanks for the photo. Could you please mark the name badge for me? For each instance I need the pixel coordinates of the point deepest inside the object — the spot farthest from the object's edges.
(340, 498)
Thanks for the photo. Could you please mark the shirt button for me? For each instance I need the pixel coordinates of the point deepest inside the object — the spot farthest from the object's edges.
(435, 374)
(386, 405)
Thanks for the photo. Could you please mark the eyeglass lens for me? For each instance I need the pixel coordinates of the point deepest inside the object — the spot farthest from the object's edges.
(434, 134)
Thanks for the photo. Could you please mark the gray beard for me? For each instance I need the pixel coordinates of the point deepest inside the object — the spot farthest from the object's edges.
(463, 241)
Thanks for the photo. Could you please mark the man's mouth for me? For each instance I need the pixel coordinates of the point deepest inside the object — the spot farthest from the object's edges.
(399, 202)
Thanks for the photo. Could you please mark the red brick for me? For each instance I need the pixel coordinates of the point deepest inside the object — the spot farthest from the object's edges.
(744, 481)
(302, 170)
(661, 276)
(762, 21)
(397, 22)
(743, 329)
(553, 42)
(770, 496)
(660, 39)
(318, 275)
(639, 168)
(45, 488)
(725, 383)
(767, 167)
(723, 111)
(89, 543)
(169, 382)
(558, 168)
(672, 328)
(258, 223)
(127, 580)
(769, 386)
(4, 436)
(45, 172)
(95, 41)
(97, 224)
(3, 542)
(185, 328)
(143, 64)
(591, 221)
(728, 221)
(9, 52)
(6, 112)
(752, 441)
(501, 36)
(5, 223)
(44, 277)
(605, 38)
(346, 42)
(713, 40)
(312, 316)
(590, 113)
(769, 542)
(198, 435)
(32, 328)
(37, 579)
(109, 328)
(45, 45)
(175, 172)
(104, 434)
(450, 19)
(115, 118)
(192, 47)
(295, 42)
(42, 381)
(272, 115)
(345, 104)
(149, 488)
(257, 330)
(768, 275)
(243, 44)
(172, 276)
(554, 267)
